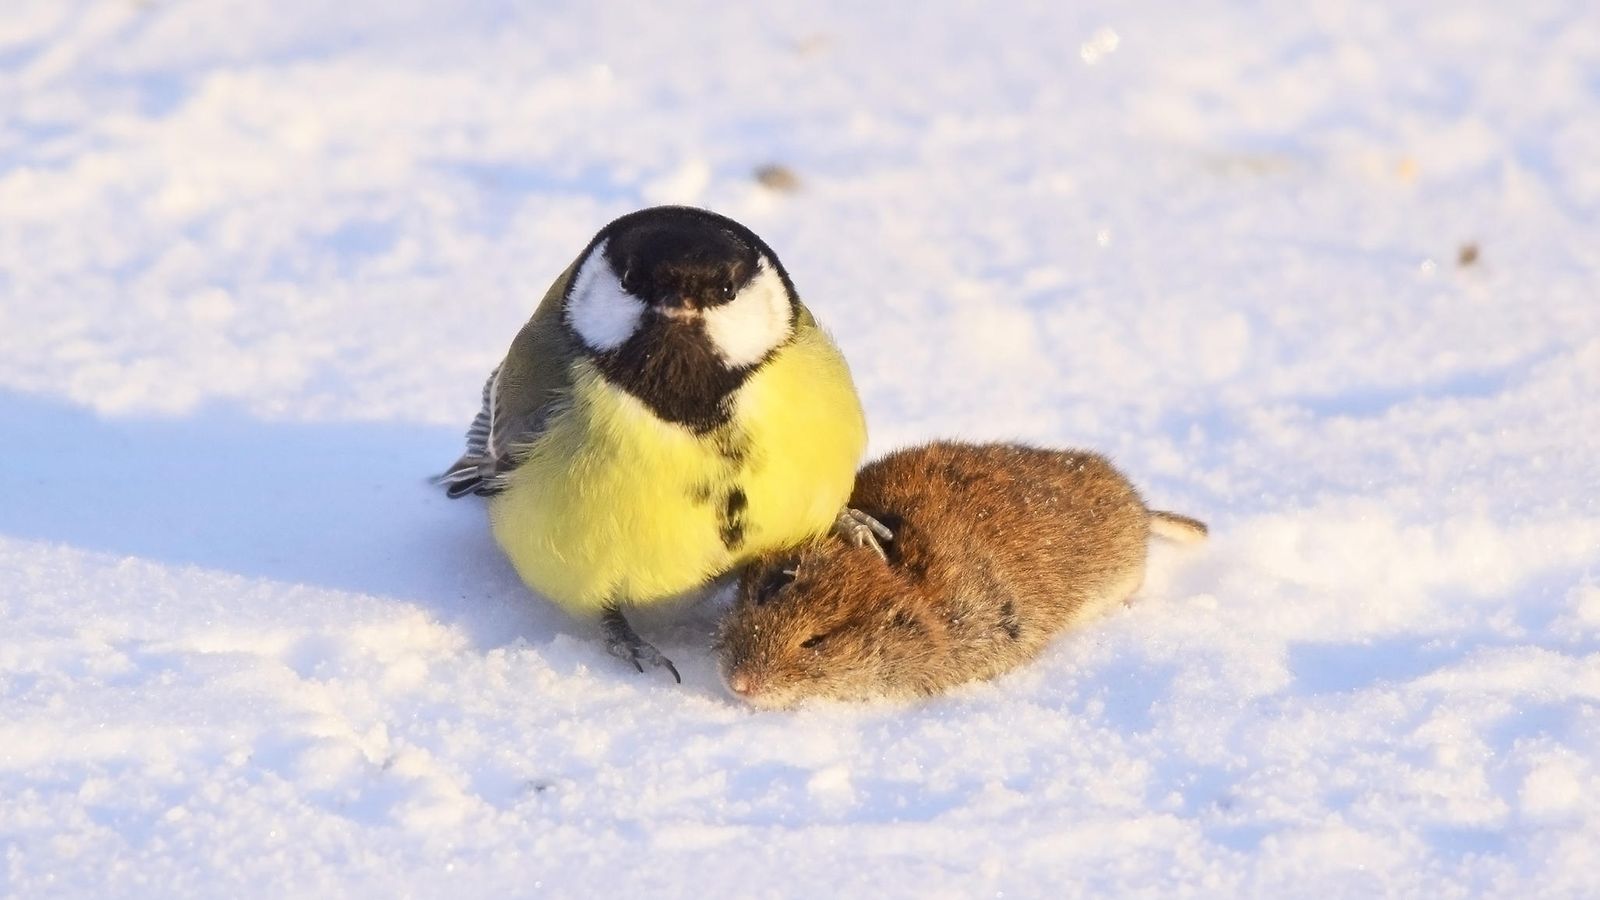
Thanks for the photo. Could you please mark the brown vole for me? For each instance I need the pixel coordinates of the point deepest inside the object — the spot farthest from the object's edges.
(997, 548)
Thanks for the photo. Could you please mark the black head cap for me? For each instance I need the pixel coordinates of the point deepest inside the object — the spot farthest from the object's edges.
(684, 256)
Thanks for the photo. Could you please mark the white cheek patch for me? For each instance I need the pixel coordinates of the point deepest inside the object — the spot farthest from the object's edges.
(601, 312)
(751, 325)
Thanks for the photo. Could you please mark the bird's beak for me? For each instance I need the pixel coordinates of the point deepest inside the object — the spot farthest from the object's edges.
(683, 310)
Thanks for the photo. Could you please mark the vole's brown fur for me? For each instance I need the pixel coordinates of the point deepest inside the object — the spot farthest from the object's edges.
(996, 549)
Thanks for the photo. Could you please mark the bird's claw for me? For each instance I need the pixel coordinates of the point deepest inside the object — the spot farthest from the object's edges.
(625, 644)
(642, 654)
(862, 530)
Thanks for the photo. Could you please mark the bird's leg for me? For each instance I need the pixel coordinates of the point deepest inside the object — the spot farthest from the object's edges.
(862, 530)
(625, 644)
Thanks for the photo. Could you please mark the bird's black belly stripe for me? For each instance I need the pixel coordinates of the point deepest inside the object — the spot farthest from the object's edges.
(732, 519)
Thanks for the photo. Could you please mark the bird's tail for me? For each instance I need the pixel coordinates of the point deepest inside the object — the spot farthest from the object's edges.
(1174, 527)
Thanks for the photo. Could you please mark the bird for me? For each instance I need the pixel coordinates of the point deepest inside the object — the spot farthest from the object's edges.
(670, 412)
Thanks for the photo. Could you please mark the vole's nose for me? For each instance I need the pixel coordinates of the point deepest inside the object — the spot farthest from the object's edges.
(741, 683)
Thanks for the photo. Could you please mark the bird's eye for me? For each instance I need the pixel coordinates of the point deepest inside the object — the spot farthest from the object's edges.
(728, 290)
(813, 641)
(775, 582)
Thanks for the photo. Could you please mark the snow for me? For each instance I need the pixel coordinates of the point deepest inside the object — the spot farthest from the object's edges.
(257, 257)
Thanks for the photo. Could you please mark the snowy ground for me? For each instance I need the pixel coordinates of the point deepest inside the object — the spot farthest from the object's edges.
(256, 256)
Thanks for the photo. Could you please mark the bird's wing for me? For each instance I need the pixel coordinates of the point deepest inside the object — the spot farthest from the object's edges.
(519, 398)
(478, 434)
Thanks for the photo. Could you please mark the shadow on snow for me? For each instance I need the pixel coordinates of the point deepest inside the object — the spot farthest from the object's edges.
(342, 505)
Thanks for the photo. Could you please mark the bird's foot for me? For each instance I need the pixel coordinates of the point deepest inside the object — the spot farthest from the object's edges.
(862, 530)
(625, 644)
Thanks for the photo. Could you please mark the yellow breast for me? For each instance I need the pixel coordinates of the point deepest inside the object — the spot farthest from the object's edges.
(613, 505)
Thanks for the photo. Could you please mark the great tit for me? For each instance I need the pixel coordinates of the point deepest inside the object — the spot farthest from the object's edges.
(670, 412)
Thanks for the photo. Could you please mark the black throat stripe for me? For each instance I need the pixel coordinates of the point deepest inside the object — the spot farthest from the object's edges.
(672, 369)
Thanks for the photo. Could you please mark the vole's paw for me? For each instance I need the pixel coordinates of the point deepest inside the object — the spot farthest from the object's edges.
(862, 530)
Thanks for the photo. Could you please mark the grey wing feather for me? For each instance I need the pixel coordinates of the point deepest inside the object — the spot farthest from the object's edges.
(519, 398)
(475, 471)
(478, 434)
(513, 416)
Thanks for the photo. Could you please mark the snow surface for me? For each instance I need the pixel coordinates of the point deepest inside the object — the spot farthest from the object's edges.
(256, 257)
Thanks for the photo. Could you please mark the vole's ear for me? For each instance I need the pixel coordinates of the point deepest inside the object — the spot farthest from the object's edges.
(773, 579)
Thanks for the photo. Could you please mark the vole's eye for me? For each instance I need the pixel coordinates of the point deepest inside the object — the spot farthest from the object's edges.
(813, 641)
(776, 580)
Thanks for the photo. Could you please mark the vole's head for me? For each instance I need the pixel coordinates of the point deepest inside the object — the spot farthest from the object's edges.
(826, 620)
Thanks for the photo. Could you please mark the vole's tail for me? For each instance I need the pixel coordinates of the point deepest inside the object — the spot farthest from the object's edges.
(1178, 528)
